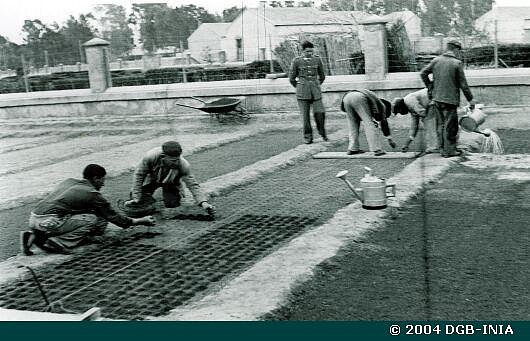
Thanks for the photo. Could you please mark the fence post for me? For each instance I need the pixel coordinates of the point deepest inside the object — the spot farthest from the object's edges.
(496, 47)
(375, 49)
(98, 64)
(25, 72)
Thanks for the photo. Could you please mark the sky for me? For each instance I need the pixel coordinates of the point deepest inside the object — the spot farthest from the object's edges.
(14, 12)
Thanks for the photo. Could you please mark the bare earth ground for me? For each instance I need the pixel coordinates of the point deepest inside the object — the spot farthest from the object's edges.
(431, 261)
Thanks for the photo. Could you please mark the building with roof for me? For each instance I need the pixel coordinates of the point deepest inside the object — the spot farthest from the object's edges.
(513, 24)
(257, 31)
(206, 40)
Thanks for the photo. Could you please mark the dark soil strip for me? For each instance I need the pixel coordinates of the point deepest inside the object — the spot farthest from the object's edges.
(271, 211)
(459, 251)
(153, 286)
(205, 165)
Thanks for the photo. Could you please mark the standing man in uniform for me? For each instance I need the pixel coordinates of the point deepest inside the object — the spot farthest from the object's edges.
(448, 78)
(306, 75)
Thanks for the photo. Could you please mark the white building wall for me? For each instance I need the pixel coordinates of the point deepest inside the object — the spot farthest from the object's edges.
(510, 29)
(256, 32)
(201, 41)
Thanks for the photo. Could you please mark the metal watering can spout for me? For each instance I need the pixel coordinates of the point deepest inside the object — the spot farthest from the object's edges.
(342, 175)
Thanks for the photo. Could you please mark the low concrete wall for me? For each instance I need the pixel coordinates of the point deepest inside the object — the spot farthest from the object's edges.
(500, 87)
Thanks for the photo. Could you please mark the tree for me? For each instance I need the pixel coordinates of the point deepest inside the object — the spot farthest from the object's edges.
(231, 13)
(438, 16)
(453, 17)
(34, 31)
(161, 26)
(379, 7)
(144, 15)
(9, 54)
(113, 24)
(75, 32)
(306, 4)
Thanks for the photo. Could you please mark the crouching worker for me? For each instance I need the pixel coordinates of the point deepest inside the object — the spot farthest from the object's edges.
(420, 108)
(163, 167)
(73, 213)
(364, 105)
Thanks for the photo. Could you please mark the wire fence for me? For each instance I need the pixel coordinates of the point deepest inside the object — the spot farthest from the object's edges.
(341, 55)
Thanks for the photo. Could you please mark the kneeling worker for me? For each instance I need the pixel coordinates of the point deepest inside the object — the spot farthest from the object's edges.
(164, 167)
(72, 213)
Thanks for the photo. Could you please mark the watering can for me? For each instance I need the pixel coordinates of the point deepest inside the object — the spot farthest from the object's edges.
(373, 191)
(473, 119)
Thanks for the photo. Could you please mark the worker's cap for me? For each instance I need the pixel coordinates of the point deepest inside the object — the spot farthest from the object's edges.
(455, 43)
(172, 148)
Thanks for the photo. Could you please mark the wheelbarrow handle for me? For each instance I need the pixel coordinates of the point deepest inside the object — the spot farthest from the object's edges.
(185, 105)
(198, 99)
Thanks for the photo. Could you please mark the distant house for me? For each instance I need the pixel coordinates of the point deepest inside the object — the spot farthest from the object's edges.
(257, 31)
(513, 24)
(205, 42)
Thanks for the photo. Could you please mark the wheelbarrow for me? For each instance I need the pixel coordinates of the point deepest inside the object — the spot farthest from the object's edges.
(230, 107)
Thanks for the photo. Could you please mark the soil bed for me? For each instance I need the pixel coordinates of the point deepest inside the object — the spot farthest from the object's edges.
(459, 251)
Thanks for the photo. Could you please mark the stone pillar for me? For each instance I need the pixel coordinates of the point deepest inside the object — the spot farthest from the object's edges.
(375, 50)
(96, 51)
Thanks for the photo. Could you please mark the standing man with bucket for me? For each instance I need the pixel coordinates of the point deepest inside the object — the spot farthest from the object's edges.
(448, 79)
(306, 74)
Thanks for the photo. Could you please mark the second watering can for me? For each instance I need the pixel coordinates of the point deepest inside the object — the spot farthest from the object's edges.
(373, 191)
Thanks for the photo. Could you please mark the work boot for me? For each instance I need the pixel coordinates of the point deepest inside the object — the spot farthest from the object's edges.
(452, 154)
(379, 152)
(53, 247)
(354, 152)
(26, 241)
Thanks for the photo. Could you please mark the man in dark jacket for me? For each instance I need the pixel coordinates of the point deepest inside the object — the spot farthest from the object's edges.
(72, 213)
(306, 75)
(364, 105)
(448, 79)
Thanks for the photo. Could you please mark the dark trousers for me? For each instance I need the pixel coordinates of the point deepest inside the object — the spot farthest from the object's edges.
(170, 194)
(448, 129)
(319, 114)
